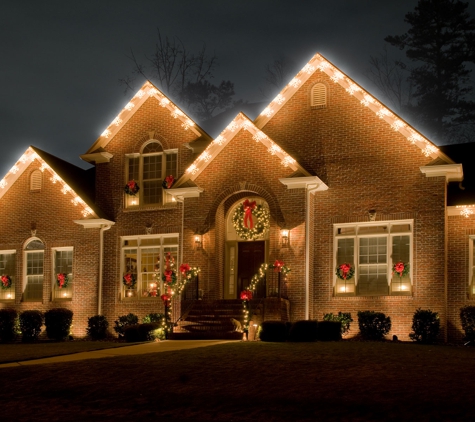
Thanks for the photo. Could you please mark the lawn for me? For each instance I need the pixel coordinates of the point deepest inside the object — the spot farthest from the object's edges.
(241, 381)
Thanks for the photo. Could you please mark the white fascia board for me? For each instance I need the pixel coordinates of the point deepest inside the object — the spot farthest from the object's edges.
(451, 172)
(94, 223)
(311, 182)
(97, 157)
(182, 193)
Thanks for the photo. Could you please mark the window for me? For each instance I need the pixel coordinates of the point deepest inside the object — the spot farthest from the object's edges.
(144, 259)
(471, 277)
(34, 256)
(36, 180)
(372, 249)
(62, 264)
(149, 169)
(318, 96)
(8, 268)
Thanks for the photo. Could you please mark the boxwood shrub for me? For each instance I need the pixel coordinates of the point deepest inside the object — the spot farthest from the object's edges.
(30, 325)
(329, 331)
(124, 321)
(467, 318)
(373, 325)
(343, 317)
(58, 323)
(8, 324)
(305, 330)
(273, 331)
(97, 327)
(425, 326)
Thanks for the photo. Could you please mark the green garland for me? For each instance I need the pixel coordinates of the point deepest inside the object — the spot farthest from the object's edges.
(261, 226)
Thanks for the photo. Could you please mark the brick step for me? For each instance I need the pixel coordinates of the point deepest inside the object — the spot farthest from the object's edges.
(206, 336)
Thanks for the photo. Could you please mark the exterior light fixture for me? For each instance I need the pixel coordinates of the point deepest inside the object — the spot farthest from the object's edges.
(198, 241)
(285, 234)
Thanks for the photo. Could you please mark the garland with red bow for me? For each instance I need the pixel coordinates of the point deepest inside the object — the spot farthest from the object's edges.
(62, 280)
(280, 267)
(168, 182)
(345, 271)
(251, 221)
(169, 274)
(131, 188)
(6, 282)
(401, 269)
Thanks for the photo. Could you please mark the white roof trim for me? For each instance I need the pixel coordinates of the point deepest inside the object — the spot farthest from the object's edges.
(220, 142)
(95, 223)
(312, 182)
(187, 192)
(22, 164)
(318, 62)
(451, 172)
(97, 157)
(147, 90)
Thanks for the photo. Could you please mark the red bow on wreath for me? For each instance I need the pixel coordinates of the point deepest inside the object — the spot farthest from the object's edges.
(61, 278)
(345, 269)
(248, 207)
(278, 266)
(169, 181)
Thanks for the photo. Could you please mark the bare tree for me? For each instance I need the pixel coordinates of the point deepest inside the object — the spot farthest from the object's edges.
(276, 75)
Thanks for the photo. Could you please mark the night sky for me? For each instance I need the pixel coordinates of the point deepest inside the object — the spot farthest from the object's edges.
(61, 60)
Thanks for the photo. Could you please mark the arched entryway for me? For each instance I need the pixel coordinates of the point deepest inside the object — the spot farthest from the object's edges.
(243, 257)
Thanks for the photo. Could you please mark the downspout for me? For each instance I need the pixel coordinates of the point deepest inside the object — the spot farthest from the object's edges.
(103, 228)
(310, 189)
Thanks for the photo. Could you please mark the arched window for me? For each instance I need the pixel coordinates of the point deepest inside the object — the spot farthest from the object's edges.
(318, 96)
(33, 266)
(36, 180)
(149, 169)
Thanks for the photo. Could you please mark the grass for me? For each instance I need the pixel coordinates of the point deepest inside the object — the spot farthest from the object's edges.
(240, 381)
(17, 352)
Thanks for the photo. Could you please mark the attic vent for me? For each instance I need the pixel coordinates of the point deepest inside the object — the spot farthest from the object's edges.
(318, 96)
(36, 180)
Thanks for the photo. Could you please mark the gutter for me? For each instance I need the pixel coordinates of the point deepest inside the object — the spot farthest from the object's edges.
(310, 190)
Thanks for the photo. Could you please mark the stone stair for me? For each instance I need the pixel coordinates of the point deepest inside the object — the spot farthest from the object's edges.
(209, 319)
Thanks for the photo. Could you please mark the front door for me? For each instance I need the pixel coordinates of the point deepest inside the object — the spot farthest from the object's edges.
(250, 257)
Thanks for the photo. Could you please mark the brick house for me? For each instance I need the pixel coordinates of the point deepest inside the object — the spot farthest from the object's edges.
(338, 179)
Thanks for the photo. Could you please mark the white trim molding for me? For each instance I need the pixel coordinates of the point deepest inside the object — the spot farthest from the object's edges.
(451, 172)
(309, 182)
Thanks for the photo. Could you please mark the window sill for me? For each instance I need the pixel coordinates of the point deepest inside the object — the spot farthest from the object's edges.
(161, 207)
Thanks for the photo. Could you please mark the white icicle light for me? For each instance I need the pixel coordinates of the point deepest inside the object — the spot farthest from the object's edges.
(106, 133)
(219, 140)
(129, 106)
(117, 121)
(232, 126)
(288, 160)
(3, 184)
(279, 99)
(352, 88)
(14, 169)
(259, 136)
(267, 112)
(274, 149)
(429, 150)
(337, 76)
(308, 68)
(164, 102)
(55, 178)
(383, 112)
(192, 169)
(295, 82)
(397, 124)
(466, 212)
(152, 92)
(367, 100)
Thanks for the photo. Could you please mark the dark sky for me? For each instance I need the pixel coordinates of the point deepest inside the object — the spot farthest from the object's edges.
(61, 60)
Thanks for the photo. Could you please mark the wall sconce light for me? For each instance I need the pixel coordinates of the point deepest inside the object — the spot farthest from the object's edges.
(372, 215)
(198, 241)
(285, 234)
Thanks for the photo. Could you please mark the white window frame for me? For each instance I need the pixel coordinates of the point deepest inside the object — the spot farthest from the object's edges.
(64, 293)
(8, 294)
(138, 200)
(471, 265)
(138, 292)
(389, 235)
(26, 252)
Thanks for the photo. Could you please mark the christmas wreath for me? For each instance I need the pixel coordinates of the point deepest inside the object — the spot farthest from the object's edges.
(345, 271)
(168, 182)
(401, 269)
(129, 280)
(131, 188)
(244, 217)
(62, 280)
(6, 282)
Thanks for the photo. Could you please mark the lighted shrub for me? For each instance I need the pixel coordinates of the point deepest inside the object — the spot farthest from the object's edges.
(343, 317)
(151, 331)
(97, 327)
(124, 321)
(329, 331)
(30, 325)
(273, 331)
(8, 324)
(425, 326)
(153, 317)
(58, 323)
(467, 318)
(373, 325)
(303, 331)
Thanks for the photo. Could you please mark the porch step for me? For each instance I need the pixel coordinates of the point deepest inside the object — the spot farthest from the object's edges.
(209, 319)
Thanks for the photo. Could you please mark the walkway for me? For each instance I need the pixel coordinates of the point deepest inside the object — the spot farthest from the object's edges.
(138, 349)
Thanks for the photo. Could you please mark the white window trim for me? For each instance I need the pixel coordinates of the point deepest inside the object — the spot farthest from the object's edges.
(25, 264)
(389, 236)
(147, 237)
(470, 259)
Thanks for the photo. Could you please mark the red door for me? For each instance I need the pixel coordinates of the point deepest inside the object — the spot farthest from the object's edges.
(251, 255)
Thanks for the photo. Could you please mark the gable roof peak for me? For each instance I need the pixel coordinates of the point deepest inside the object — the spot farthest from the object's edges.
(320, 63)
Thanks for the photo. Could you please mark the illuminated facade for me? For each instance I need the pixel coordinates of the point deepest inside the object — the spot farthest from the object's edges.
(358, 203)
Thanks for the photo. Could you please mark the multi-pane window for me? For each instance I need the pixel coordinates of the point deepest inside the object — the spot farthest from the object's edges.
(63, 264)
(34, 259)
(8, 269)
(144, 261)
(367, 255)
(149, 169)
